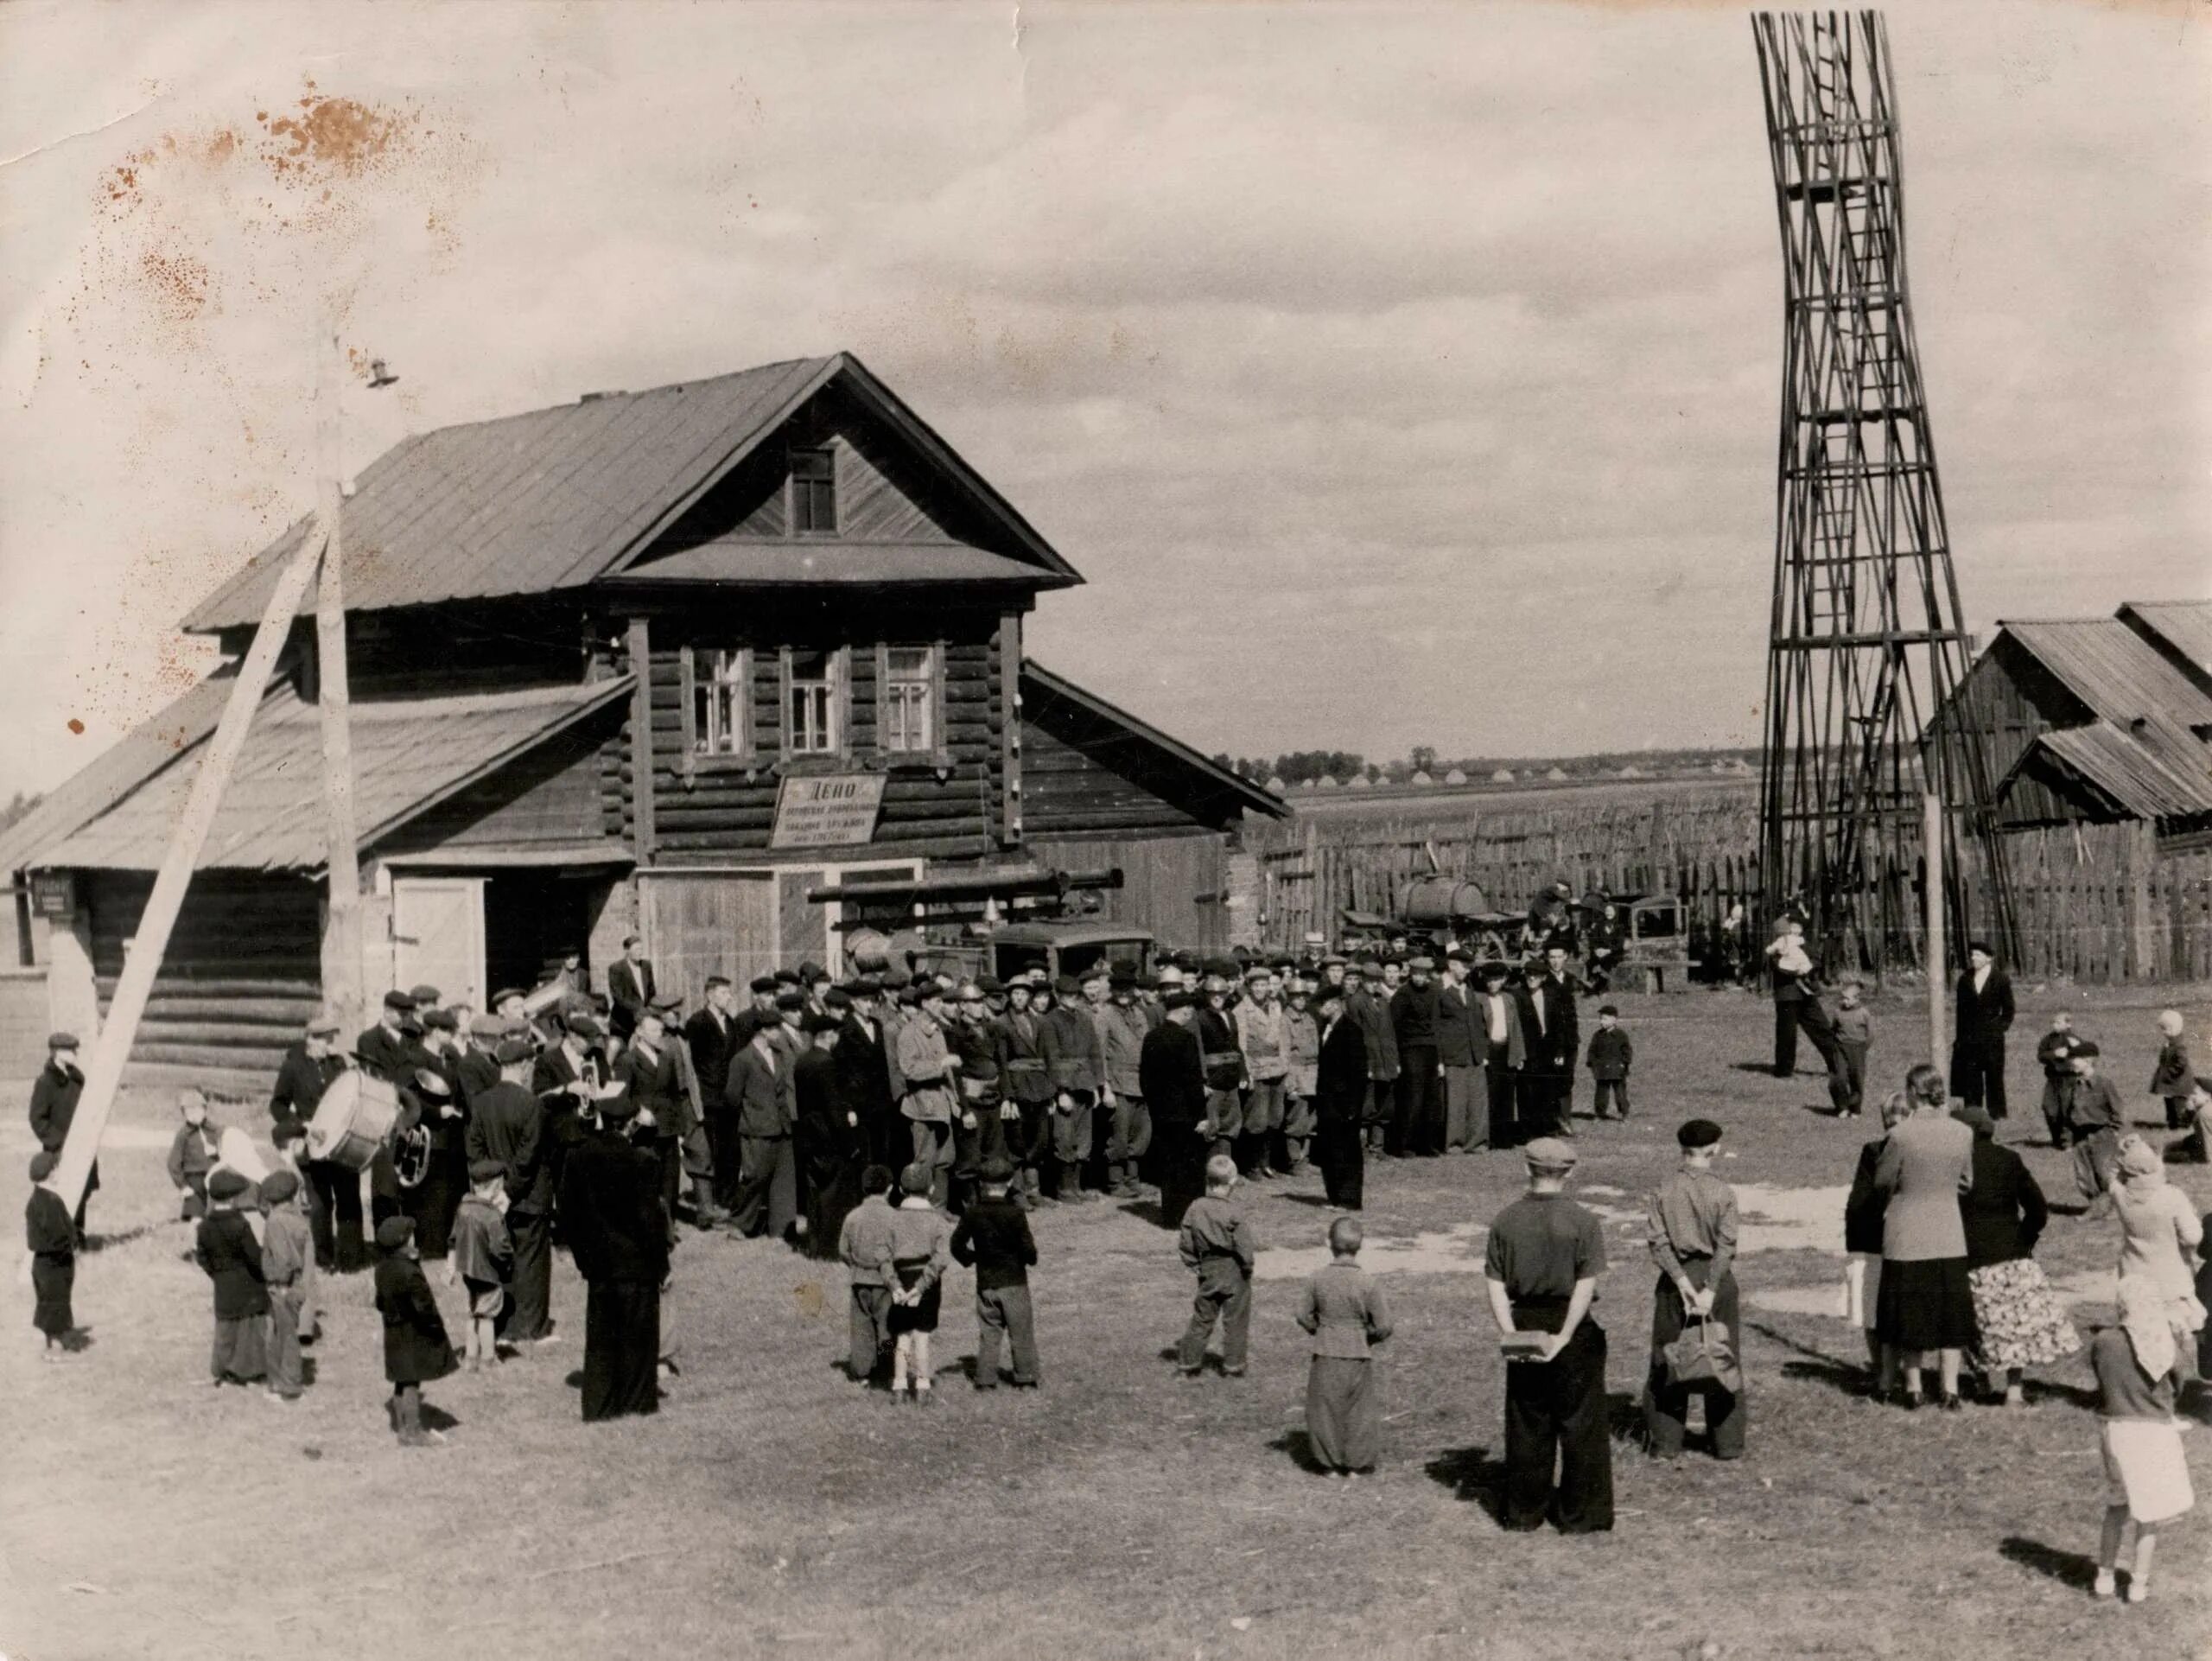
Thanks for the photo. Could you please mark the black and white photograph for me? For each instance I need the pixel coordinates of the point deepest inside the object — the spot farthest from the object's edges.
(1121, 830)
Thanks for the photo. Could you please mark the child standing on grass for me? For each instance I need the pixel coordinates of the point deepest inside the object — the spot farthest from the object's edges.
(1854, 1037)
(2055, 1055)
(192, 1153)
(864, 1246)
(2170, 1080)
(2147, 1477)
(916, 1252)
(1218, 1246)
(416, 1347)
(994, 1236)
(226, 1250)
(1609, 1057)
(1343, 1308)
(287, 1271)
(483, 1256)
(50, 1261)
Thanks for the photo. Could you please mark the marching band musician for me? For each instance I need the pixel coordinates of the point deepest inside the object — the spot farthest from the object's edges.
(333, 1190)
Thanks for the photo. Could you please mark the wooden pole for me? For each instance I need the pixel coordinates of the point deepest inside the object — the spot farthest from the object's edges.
(1931, 833)
(144, 960)
(341, 958)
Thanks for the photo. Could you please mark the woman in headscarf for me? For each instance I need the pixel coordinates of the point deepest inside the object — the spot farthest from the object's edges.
(2019, 1321)
(1925, 1302)
(2147, 1477)
(2159, 1235)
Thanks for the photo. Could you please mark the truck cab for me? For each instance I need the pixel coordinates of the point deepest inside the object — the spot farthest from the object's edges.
(1072, 948)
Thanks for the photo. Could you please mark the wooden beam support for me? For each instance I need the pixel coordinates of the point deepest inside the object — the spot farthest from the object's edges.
(342, 958)
(144, 961)
(1010, 728)
(641, 740)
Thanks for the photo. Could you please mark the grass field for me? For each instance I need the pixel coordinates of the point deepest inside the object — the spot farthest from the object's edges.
(775, 1509)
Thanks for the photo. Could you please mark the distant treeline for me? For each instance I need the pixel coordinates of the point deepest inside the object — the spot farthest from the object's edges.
(1303, 767)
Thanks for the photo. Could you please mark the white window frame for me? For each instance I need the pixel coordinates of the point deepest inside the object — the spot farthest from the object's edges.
(890, 740)
(832, 707)
(726, 738)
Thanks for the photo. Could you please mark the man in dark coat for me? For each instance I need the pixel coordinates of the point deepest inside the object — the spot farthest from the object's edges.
(759, 1086)
(712, 1034)
(382, 1049)
(1174, 1081)
(1417, 1117)
(618, 1232)
(647, 1071)
(1340, 1100)
(1550, 1030)
(509, 1125)
(1984, 1016)
(53, 1107)
(862, 1061)
(1367, 1001)
(826, 1138)
(630, 988)
(333, 1190)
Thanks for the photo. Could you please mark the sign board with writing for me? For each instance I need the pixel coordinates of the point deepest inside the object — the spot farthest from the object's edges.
(53, 895)
(827, 810)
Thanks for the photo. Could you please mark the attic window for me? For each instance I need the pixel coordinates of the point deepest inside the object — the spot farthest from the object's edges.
(814, 492)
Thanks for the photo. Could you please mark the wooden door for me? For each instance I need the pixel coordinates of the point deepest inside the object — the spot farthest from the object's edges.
(703, 923)
(437, 936)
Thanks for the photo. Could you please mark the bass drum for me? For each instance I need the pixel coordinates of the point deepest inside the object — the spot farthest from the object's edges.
(355, 1116)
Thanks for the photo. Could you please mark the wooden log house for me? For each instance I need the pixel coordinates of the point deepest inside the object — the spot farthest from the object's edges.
(657, 662)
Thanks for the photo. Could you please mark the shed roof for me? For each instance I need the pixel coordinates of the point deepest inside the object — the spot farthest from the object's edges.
(409, 755)
(1038, 681)
(2113, 670)
(557, 498)
(118, 770)
(848, 564)
(2157, 771)
(2183, 626)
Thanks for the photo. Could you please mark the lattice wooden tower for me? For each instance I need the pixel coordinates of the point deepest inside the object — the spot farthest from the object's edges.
(1867, 640)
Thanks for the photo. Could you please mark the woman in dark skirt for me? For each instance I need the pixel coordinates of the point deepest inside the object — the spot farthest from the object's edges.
(1926, 1301)
(51, 1234)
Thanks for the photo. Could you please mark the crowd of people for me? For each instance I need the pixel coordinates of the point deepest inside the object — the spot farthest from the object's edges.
(902, 1122)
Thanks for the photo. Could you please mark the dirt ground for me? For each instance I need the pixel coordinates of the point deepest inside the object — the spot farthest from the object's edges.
(774, 1508)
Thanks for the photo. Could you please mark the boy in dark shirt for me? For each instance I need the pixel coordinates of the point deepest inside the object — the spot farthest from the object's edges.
(994, 1236)
(50, 1262)
(1611, 1054)
(483, 1256)
(415, 1348)
(228, 1251)
(191, 1155)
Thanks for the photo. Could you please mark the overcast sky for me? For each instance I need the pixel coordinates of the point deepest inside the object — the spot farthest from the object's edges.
(1395, 376)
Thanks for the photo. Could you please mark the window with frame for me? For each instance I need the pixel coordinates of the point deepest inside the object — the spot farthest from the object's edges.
(814, 491)
(719, 705)
(811, 702)
(909, 703)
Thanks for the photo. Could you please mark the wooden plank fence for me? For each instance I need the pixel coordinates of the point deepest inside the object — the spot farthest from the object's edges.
(2097, 904)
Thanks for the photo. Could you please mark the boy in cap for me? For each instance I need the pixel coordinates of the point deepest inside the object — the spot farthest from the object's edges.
(864, 1245)
(287, 1271)
(994, 1236)
(416, 1347)
(192, 1153)
(1854, 1037)
(230, 1257)
(1343, 1308)
(2096, 1117)
(483, 1256)
(1218, 1245)
(917, 1250)
(50, 1259)
(2055, 1055)
(1545, 1257)
(1609, 1057)
(1691, 1230)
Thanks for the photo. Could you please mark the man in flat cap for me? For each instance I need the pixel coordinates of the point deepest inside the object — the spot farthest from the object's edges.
(334, 1219)
(863, 1063)
(510, 1125)
(1417, 1118)
(1367, 1001)
(1546, 1255)
(1340, 1096)
(1461, 1052)
(382, 1049)
(709, 1035)
(1076, 1063)
(1122, 1029)
(1692, 1234)
(55, 1096)
(620, 1236)
(760, 1089)
(630, 987)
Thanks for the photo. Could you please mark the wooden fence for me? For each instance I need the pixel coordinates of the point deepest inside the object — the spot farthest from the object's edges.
(2094, 903)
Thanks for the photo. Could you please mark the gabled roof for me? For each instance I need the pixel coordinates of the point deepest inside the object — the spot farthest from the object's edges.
(559, 498)
(409, 755)
(2157, 771)
(2113, 670)
(1037, 680)
(824, 563)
